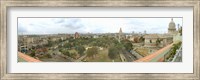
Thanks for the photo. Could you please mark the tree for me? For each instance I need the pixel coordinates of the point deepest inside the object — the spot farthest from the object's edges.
(65, 52)
(50, 43)
(74, 55)
(80, 49)
(47, 56)
(45, 50)
(136, 40)
(120, 46)
(61, 50)
(157, 42)
(38, 46)
(68, 45)
(112, 52)
(128, 45)
(141, 39)
(60, 40)
(91, 52)
(180, 31)
(59, 46)
(32, 53)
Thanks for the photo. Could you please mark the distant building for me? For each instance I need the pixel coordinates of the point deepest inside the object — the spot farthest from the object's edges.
(96, 36)
(155, 41)
(120, 35)
(53, 39)
(161, 40)
(135, 38)
(172, 27)
(133, 32)
(145, 32)
(150, 40)
(76, 35)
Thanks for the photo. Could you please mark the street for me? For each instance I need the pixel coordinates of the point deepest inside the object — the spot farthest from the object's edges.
(129, 57)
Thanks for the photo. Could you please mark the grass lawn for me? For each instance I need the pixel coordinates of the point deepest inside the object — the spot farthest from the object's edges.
(102, 56)
(72, 51)
(142, 51)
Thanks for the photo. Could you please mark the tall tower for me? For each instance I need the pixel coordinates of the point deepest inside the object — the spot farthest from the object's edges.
(172, 27)
(145, 32)
(120, 33)
(76, 35)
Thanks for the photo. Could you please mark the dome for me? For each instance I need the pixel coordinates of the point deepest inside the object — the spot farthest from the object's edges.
(172, 25)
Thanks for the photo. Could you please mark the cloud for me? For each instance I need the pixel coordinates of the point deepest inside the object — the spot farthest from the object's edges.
(94, 25)
(72, 23)
(58, 20)
(21, 28)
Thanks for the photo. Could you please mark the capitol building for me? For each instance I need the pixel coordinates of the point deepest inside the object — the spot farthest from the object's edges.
(154, 41)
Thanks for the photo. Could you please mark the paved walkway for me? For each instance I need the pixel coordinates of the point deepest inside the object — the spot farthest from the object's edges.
(154, 57)
(27, 58)
(82, 57)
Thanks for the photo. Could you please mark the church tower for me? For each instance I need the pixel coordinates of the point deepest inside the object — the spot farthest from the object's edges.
(120, 34)
(172, 27)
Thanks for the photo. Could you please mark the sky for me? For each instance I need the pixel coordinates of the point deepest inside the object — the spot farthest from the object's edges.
(94, 25)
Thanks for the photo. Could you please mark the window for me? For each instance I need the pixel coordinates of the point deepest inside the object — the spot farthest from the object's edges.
(150, 41)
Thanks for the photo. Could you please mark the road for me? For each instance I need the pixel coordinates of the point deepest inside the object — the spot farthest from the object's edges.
(57, 52)
(129, 57)
(69, 59)
(79, 59)
(137, 55)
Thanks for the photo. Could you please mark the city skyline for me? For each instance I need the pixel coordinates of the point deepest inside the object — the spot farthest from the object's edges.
(94, 25)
